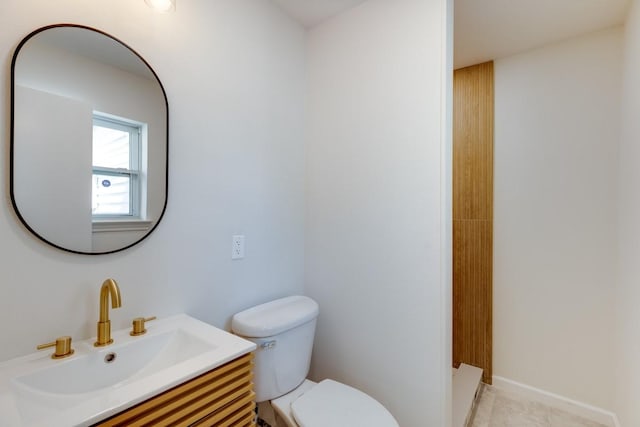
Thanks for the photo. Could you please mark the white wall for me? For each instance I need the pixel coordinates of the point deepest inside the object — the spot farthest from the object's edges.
(628, 298)
(374, 222)
(234, 72)
(52, 166)
(556, 134)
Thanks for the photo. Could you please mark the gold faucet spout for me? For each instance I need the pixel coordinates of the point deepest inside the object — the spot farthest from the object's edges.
(109, 288)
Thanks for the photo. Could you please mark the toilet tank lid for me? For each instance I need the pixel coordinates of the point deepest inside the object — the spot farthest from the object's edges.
(274, 317)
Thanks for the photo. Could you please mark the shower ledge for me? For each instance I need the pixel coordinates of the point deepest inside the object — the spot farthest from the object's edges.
(466, 382)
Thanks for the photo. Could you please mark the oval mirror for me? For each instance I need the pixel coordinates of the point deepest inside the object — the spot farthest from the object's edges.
(89, 140)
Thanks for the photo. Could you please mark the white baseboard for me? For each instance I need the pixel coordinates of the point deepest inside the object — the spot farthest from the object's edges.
(584, 410)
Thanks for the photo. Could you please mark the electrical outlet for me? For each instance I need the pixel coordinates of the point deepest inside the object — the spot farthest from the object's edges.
(237, 247)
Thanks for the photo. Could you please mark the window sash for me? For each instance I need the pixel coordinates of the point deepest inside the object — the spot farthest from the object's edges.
(133, 172)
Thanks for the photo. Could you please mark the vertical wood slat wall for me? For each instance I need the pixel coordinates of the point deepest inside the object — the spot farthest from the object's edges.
(473, 94)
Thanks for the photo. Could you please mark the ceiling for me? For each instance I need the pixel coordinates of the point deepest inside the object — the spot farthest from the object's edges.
(491, 29)
(95, 46)
(311, 12)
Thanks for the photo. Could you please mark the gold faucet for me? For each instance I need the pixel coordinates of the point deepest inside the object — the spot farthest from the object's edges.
(109, 286)
(62, 345)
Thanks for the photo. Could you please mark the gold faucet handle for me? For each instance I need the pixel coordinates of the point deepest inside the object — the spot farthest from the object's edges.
(62, 345)
(138, 325)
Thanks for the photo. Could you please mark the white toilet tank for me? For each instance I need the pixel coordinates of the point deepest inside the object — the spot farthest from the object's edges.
(283, 331)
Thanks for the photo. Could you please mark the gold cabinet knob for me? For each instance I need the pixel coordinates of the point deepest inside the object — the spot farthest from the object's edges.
(138, 325)
(62, 345)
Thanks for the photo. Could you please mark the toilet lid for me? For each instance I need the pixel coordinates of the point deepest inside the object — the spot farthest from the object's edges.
(337, 405)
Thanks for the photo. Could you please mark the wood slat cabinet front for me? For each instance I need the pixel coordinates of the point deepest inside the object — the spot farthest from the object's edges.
(222, 397)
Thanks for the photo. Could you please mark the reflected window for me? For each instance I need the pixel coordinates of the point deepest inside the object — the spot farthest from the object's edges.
(116, 179)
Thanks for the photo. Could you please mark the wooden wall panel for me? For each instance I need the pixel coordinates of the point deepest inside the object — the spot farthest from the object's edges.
(473, 142)
(472, 296)
(473, 217)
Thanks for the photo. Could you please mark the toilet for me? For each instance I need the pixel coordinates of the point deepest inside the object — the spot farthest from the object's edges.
(284, 330)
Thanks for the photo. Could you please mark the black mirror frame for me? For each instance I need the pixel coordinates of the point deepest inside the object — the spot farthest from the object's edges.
(12, 141)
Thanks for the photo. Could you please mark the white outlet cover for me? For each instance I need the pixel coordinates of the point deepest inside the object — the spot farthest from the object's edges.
(237, 247)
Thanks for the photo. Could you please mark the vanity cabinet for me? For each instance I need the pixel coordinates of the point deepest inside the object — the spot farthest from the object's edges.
(221, 397)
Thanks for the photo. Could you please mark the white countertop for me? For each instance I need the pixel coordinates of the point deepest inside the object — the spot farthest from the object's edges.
(21, 406)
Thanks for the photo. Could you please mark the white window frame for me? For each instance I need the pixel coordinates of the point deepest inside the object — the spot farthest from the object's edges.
(134, 220)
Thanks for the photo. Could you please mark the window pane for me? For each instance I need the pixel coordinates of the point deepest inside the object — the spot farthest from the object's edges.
(111, 195)
(110, 147)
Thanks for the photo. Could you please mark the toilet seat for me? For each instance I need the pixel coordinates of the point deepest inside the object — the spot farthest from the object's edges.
(331, 403)
(282, 404)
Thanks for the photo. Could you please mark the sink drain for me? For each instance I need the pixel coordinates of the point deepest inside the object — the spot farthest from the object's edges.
(110, 357)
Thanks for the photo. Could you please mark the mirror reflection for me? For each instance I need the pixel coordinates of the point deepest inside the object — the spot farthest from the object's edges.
(89, 140)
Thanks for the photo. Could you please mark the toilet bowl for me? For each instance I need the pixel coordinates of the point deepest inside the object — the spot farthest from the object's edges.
(330, 403)
(283, 331)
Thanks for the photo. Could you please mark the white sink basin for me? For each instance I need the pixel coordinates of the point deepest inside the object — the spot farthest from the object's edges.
(96, 383)
(117, 364)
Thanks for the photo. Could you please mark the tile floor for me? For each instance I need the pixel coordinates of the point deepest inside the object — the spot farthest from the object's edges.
(497, 408)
